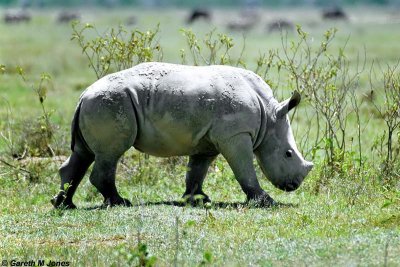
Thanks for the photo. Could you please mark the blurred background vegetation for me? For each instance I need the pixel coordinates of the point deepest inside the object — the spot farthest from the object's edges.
(194, 3)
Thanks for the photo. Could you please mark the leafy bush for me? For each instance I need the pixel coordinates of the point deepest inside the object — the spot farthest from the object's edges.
(389, 112)
(31, 137)
(37, 136)
(215, 50)
(329, 86)
(116, 49)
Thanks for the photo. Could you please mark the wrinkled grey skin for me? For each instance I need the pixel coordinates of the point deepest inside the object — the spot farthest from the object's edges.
(173, 110)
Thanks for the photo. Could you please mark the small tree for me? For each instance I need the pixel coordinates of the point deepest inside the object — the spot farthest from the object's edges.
(389, 111)
(325, 79)
(211, 50)
(116, 49)
(38, 136)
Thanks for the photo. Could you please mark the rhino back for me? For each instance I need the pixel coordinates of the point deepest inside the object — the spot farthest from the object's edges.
(183, 110)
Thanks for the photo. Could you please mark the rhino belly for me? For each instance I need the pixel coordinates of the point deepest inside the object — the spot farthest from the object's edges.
(169, 137)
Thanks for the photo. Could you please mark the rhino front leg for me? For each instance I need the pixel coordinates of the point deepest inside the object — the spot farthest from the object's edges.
(238, 151)
(197, 169)
(103, 178)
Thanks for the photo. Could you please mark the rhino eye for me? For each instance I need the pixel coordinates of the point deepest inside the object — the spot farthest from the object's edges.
(289, 153)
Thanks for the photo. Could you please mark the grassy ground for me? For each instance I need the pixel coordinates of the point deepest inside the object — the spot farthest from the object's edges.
(335, 228)
(347, 220)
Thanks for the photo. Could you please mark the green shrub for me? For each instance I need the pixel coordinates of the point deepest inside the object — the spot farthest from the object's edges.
(116, 49)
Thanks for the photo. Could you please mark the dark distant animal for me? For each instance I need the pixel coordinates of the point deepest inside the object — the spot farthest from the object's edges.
(67, 16)
(17, 17)
(171, 110)
(280, 25)
(131, 20)
(197, 14)
(335, 13)
(242, 24)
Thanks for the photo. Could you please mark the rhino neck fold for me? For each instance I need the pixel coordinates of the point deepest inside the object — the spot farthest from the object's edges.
(267, 108)
(263, 124)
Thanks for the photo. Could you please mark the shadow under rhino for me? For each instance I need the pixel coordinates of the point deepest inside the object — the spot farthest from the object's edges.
(212, 205)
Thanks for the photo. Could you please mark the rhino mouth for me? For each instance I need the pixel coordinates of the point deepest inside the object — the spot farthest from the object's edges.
(290, 186)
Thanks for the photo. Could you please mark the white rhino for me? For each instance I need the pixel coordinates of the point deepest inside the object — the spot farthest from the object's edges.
(174, 110)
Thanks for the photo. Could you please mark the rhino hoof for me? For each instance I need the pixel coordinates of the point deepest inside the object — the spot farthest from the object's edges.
(118, 202)
(197, 200)
(263, 201)
(59, 202)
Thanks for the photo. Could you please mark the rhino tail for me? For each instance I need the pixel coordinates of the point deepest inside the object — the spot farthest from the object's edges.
(75, 125)
(76, 134)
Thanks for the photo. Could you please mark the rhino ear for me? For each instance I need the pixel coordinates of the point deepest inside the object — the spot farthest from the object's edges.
(285, 106)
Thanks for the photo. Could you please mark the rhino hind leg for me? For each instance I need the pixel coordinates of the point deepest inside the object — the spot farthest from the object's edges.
(72, 171)
(109, 127)
(103, 178)
(197, 170)
(238, 151)
(108, 150)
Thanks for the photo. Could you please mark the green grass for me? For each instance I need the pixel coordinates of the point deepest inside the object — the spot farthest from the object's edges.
(349, 219)
(325, 229)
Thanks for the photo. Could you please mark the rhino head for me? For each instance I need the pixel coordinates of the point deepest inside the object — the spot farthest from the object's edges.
(278, 156)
